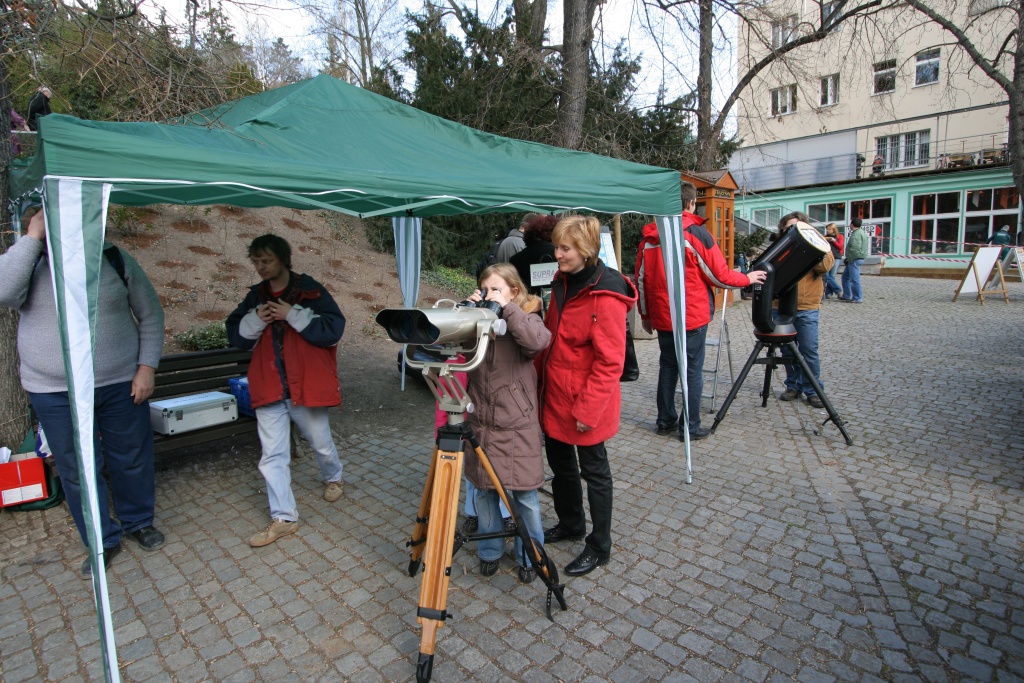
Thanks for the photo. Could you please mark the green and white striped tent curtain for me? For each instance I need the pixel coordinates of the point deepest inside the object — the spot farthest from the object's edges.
(408, 231)
(673, 250)
(76, 255)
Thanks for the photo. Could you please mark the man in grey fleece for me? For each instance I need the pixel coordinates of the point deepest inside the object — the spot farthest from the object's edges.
(131, 324)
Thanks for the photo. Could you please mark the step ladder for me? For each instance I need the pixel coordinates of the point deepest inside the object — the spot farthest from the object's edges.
(711, 375)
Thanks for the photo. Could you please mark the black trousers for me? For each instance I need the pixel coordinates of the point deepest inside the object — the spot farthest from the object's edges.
(567, 490)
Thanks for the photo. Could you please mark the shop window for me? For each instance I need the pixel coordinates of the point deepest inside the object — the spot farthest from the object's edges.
(766, 218)
(827, 213)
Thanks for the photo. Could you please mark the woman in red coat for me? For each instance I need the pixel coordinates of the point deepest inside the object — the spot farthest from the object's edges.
(579, 374)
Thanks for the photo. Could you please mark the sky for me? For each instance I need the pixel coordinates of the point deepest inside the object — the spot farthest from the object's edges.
(617, 20)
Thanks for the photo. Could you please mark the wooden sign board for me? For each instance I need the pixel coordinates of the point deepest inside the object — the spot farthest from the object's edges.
(980, 271)
(1014, 259)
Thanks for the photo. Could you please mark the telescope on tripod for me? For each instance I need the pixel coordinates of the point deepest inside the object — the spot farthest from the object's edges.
(462, 330)
(785, 262)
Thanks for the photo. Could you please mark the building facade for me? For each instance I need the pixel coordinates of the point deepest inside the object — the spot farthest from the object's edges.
(881, 120)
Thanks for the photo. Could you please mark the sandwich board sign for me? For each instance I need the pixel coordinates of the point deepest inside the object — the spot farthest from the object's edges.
(980, 271)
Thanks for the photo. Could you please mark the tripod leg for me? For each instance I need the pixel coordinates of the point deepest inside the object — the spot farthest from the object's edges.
(832, 414)
(546, 569)
(419, 532)
(444, 506)
(769, 367)
(758, 345)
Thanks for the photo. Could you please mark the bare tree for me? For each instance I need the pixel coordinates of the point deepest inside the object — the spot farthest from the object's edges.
(358, 35)
(135, 69)
(989, 33)
(714, 22)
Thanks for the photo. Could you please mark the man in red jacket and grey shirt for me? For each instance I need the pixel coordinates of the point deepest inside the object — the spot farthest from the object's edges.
(705, 268)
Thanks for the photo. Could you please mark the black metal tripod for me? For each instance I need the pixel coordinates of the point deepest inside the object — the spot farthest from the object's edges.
(771, 361)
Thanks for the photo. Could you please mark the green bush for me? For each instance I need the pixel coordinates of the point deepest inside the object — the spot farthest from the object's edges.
(203, 337)
(451, 279)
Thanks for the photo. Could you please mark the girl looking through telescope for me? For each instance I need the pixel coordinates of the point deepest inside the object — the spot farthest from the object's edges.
(503, 390)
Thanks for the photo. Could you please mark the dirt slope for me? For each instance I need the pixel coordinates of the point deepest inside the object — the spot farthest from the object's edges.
(196, 259)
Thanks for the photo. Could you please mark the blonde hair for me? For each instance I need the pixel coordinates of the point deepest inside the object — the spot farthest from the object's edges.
(521, 296)
(583, 232)
(832, 227)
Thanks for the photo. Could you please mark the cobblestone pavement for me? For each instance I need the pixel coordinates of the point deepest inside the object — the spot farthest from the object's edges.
(790, 556)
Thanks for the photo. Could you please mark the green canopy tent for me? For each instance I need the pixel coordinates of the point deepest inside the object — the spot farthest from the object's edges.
(316, 144)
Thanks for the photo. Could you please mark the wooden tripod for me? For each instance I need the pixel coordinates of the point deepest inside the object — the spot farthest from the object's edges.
(434, 539)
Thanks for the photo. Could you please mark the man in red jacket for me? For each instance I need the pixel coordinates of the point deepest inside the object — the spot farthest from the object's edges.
(705, 268)
(293, 326)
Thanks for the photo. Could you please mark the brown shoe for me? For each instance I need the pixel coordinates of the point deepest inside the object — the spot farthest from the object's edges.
(333, 491)
(789, 395)
(815, 401)
(275, 530)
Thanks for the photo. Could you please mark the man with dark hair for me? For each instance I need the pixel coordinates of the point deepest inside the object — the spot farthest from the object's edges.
(293, 326)
(513, 242)
(809, 292)
(706, 267)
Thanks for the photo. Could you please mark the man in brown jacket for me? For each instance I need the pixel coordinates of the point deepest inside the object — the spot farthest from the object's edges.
(809, 292)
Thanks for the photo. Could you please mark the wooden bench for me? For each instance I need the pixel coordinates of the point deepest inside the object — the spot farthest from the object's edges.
(193, 373)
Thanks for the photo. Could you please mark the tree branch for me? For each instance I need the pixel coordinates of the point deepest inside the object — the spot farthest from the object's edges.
(989, 67)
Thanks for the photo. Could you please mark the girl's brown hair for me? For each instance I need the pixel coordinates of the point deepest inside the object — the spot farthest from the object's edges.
(520, 294)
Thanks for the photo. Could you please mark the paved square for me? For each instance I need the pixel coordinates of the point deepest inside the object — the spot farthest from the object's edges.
(790, 556)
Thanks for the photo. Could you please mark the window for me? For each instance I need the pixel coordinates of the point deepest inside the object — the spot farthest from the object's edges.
(830, 90)
(976, 7)
(935, 224)
(885, 76)
(783, 31)
(766, 218)
(987, 211)
(829, 13)
(784, 100)
(905, 150)
(876, 218)
(827, 213)
(927, 67)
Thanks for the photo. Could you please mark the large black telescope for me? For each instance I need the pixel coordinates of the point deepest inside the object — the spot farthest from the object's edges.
(787, 260)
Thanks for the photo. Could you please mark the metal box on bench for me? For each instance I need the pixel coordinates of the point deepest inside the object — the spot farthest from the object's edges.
(188, 413)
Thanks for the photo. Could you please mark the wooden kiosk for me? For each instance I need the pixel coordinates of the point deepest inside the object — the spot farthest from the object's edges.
(716, 196)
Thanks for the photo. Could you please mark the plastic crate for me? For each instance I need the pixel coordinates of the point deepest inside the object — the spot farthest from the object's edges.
(240, 390)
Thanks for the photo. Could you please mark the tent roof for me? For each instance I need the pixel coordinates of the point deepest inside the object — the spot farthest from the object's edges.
(322, 143)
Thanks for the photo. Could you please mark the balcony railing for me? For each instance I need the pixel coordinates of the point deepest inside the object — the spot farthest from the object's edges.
(981, 150)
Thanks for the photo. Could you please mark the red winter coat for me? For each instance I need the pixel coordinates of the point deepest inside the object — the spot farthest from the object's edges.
(310, 366)
(580, 370)
(705, 267)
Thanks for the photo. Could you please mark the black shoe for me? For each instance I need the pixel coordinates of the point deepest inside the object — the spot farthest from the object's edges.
(148, 538)
(560, 533)
(789, 395)
(527, 574)
(587, 562)
(667, 428)
(701, 433)
(510, 525)
(470, 525)
(489, 567)
(108, 556)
